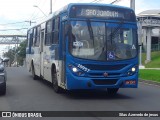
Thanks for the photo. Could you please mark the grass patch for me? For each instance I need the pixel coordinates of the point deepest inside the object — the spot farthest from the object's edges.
(155, 60)
(153, 75)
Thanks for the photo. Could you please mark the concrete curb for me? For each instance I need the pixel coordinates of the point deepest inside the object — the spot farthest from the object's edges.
(150, 82)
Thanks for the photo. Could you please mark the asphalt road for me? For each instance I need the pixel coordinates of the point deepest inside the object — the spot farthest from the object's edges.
(26, 94)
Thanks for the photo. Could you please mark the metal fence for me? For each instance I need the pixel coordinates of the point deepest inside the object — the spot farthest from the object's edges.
(154, 47)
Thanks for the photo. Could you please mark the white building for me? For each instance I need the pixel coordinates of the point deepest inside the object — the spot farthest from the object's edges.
(149, 31)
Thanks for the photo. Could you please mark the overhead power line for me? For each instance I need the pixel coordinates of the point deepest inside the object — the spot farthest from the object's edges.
(115, 1)
(34, 14)
(12, 23)
(12, 29)
(96, 1)
(93, 1)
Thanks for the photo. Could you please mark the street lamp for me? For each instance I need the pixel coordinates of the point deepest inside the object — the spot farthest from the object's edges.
(50, 6)
(40, 10)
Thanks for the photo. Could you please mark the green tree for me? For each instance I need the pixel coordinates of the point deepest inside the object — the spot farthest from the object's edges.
(21, 52)
(11, 55)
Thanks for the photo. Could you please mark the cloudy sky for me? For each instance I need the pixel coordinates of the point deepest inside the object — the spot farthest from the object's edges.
(20, 11)
(14, 14)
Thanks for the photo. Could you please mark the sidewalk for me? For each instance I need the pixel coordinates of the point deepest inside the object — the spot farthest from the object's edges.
(143, 67)
(152, 68)
(150, 82)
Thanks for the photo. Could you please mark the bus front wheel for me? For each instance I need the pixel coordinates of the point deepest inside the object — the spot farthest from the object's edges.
(112, 91)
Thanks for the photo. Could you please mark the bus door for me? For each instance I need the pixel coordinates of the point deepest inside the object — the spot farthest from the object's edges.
(63, 40)
(41, 51)
(36, 50)
(47, 50)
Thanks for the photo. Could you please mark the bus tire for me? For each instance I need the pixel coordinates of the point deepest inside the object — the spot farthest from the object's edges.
(112, 91)
(56, 88)
(35, 77)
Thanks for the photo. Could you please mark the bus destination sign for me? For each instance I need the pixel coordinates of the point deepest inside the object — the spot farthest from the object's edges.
(99, 13)
(104, 12)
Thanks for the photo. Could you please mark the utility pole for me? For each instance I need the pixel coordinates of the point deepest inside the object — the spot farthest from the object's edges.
(30, 22)
(132, 4)
(50, 7)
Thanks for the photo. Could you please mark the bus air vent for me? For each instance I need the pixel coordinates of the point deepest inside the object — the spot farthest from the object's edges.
(105, 82)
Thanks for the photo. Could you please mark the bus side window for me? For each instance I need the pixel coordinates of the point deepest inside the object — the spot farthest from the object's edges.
(37, 37)
(56, 31)
(48, 33)
(31, 37)
(34, 36)
(53, 29)
(28, 38)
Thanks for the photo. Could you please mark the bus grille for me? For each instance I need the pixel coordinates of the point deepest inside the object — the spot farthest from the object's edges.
(102, 74)
(104, 67)
(105, 82)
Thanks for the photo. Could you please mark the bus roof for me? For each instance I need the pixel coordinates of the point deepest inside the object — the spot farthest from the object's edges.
(68, 7)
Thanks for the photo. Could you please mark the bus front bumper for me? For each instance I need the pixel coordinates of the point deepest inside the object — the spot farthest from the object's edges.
(76, 82)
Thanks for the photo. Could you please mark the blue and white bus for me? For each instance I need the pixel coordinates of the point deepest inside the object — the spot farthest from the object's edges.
(86, 46)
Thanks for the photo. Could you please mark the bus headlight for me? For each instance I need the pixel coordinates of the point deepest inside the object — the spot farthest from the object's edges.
(75, 70)
(132, 71)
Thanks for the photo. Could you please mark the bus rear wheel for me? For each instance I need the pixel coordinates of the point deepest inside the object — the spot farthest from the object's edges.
(35, 77)
(56, 88)
(112, 91)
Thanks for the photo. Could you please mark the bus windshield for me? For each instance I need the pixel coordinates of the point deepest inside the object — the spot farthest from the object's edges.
(103, 41)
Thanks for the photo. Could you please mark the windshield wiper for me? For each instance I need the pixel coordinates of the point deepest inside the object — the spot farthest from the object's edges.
(90, 30)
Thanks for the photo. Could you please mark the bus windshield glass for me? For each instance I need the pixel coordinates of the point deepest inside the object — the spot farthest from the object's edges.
(103, 41)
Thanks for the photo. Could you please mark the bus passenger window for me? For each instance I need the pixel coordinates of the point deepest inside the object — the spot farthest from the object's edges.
(31, 37)
(48, 33)
(38, 36)
(53, 29)
(56, 31)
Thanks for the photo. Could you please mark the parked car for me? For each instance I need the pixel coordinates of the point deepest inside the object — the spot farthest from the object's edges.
(3, 76)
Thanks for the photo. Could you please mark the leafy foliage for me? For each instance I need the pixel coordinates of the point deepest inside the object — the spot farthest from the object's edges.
(22, 52)
(19, 53)
(155, 60)
(148, 74)
(10, 54)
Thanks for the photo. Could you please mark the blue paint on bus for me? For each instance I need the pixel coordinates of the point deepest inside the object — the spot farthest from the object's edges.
(95, 43)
